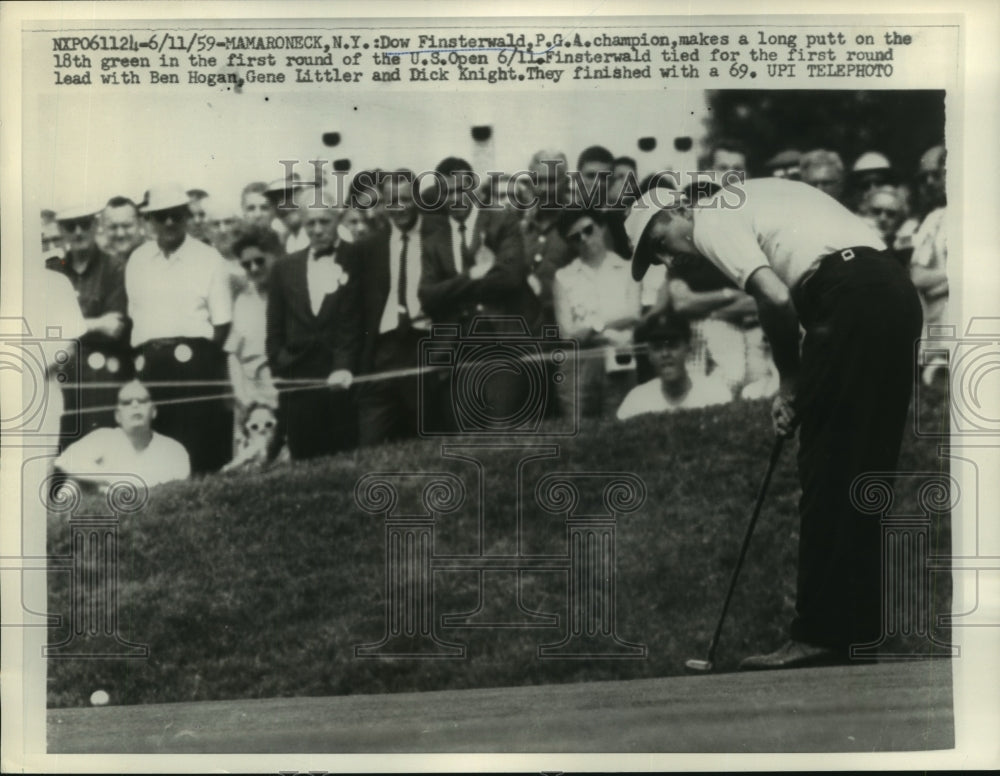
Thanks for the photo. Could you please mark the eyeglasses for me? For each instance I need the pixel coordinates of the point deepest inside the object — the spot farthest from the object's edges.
(256, 261)
(576, 237)
(882, 211)
(78, 223)
(670, 343)
(129, 402)
(173, 214)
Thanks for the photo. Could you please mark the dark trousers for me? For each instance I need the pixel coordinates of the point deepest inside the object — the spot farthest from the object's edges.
(862, 317)
(90, 403)
(315, 421)
(388, 407)
(196, 415)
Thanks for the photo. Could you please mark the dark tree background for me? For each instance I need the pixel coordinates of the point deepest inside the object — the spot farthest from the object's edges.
(900, 124)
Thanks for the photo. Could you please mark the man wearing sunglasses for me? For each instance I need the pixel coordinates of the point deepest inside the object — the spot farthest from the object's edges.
(130, 448)
(807, 260)
(103, 356)
(180, 303)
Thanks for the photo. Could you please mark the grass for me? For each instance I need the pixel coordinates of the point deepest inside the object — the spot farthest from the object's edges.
(248, 586)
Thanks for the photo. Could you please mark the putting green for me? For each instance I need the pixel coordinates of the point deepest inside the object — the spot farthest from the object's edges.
(886, 707)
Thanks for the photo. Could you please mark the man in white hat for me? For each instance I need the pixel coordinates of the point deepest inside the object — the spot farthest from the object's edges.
(806, 260)
(104, 359)
(180, 303)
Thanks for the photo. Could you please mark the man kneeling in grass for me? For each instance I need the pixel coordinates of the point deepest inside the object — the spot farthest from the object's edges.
(667, 338)
(105, 454)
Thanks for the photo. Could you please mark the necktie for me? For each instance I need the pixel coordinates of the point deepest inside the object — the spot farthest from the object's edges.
(467, 258)
(401, 295)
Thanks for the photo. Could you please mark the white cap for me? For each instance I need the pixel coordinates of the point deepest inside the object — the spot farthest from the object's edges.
(637, 220)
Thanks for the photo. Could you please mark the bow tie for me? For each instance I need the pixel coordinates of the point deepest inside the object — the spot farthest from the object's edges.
(325, 252)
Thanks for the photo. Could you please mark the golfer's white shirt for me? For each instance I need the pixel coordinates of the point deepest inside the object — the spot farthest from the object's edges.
(108, 451)
(785, 225)
(648, 397)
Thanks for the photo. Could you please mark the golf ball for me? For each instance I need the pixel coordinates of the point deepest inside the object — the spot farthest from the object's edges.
(99, 698)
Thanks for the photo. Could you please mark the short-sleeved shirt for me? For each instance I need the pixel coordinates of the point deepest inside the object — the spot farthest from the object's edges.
(785, 225)
(184, 294)
(108, 451)
(586, 295)
(706, 390)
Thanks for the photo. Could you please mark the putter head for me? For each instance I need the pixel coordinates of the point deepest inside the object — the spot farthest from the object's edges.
(698, 666)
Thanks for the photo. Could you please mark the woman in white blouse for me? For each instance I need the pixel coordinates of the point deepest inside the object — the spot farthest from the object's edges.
(597, 304)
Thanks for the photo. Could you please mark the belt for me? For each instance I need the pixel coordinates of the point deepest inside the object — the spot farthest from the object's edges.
(847, 254)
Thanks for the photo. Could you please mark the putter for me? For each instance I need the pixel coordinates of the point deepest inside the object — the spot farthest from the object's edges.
(706, 665)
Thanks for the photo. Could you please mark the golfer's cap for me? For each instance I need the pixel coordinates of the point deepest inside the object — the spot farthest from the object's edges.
(637, 222)
(165, 197)
(871, 160)
(663, 327)
(75, 212)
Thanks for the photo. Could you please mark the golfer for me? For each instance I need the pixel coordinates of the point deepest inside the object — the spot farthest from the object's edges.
(806, 260)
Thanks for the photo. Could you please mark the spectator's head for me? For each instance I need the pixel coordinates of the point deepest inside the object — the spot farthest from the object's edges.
(320, 217)
(871, 170)
(459, 182)
(135, 410)
(221, 222)
(595, 166)
(52, 244)
(784, 164)
(196, 204)
(549, 178)
(667, 337)
(624, 169)
(257, 248)
(397, 200)
(931, 178)
(256, 207)
(280, 194)
(885, 207)
(823, 170)
(727, 155)
(583, 231)
(166, 211)
(354, 223)
(122, 226)
(78, 228)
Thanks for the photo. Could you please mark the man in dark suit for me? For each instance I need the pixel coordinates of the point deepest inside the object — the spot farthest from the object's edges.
(314, 332)
(473, 257)
(394, 322)
(474, 265)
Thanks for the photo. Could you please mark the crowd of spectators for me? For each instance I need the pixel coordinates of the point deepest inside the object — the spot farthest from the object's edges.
(301, 314)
